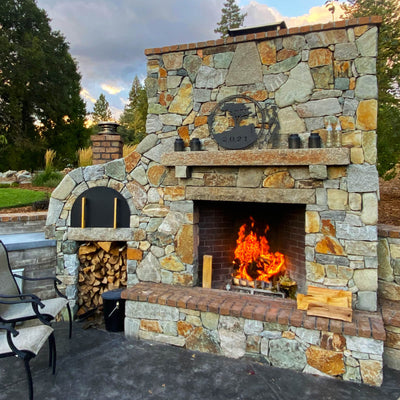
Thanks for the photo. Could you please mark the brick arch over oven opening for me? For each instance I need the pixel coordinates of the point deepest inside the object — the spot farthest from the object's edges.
(99, 209)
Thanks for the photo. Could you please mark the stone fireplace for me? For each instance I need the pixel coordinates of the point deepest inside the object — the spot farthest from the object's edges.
(320, 203)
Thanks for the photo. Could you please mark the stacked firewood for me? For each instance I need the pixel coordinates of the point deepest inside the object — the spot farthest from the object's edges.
(102, 268)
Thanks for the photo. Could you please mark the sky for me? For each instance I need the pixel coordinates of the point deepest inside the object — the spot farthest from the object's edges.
(107, 38)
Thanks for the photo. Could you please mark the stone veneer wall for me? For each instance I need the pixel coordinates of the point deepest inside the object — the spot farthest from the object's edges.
(389, 291)
(314, 75)
(272, 331)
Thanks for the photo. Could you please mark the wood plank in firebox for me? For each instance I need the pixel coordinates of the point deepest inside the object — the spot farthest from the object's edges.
(329, 311)
(207, 271)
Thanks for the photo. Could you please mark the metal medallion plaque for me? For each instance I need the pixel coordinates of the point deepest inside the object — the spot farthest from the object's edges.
(237, 122)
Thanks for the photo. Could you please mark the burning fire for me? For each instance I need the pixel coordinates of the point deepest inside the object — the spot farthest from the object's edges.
(253, 258)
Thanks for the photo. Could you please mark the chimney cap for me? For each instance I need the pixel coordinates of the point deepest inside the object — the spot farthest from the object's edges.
(108, 127)
(276, 26)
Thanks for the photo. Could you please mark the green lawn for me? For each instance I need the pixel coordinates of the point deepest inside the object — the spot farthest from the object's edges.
(19, 197)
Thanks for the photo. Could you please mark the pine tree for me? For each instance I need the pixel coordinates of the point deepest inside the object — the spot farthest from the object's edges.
(388, 75)
(101, 110)
(40, 103)
(231, 18)
(133, 118)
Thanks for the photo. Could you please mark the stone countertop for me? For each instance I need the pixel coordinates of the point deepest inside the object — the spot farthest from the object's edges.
(24, 241)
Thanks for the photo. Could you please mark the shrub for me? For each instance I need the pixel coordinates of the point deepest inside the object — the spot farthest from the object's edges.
(85, 157)
(48, 178)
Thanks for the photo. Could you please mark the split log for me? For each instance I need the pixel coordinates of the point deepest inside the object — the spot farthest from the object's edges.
(103, 268)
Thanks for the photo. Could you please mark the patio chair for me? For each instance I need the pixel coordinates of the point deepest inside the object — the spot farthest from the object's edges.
(25, 343)
(21, 309)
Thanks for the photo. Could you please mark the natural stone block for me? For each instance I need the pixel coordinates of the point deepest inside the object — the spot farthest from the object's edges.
(367, 301)
(185, 243)
(290, 122)
(307, 335)
(328, 361)
(298, 87)
(355, 201)
(389, 290)
(273, 82)
(210, 320)
(367, 44)
(369, 146)
(151, 326)
(337, 199)
(315, 272)
(345, 51)
(136, 309)
(173, 60)
(201, 340)
(182, 103)
(312, 222)
(155, 174)
(318, 171)
(367, 115)
(319, 108)
(286, 353)
(178, 341)
(359, 247)
(149, 269)
(253, 327)
(329, 245)
(65, 187)
(249, 177)
(171, 263)
(284, 66)
(391, 358)
(131, 327)
(147, 143)
(362, 178)
(367, 87)
(279, 180)
(365, 65)
(371, 372)
(246, 66)
(319, 57)
(369, 214)
(357, 155)
(395, 250)
(366, 279)
(267, 51)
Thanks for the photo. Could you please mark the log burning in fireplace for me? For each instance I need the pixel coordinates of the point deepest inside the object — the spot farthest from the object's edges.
(255, 266)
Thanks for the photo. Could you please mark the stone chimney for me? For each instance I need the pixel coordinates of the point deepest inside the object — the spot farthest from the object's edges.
(107, 145)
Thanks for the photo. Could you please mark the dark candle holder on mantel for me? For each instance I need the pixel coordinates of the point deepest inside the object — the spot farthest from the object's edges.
(314, 141)
(179, 144)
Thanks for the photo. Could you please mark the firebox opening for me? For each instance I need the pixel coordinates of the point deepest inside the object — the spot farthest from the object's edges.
(219, 225)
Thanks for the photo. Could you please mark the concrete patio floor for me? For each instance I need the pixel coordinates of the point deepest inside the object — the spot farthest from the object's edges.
(97, 364)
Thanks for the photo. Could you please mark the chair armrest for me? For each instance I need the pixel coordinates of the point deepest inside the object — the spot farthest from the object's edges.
(9, 328)
(44, 278)
(55, 280)
(21, 298)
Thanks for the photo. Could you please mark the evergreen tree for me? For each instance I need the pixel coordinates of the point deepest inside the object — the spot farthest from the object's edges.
(40, 104)
(231, 18)
(101, 110)
(388, 75)
(133, 118)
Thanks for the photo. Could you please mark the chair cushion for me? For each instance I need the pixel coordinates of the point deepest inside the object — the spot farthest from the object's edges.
(29, 339)
(24, 310)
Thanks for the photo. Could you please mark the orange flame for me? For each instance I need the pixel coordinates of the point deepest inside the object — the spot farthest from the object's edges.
(253, 259)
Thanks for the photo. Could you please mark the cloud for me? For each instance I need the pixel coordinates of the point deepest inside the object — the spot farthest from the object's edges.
(87, 96)
(111, 89)
(261, 14)
(108, 37)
